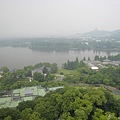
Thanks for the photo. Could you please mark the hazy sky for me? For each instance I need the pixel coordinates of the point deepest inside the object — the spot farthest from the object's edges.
(30, 18)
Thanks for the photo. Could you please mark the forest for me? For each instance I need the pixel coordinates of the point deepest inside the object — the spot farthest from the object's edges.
(107, 75)
(64, 44)
(70, 103)
(73, 102)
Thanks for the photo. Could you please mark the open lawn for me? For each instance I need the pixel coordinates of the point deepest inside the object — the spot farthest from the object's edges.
(117, 96)
(66, 72)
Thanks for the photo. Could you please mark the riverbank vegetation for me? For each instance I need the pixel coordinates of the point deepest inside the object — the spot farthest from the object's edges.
(110, 58)
(64, 44)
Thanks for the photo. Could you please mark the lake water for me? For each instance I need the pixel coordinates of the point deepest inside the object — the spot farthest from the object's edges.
(16, 57)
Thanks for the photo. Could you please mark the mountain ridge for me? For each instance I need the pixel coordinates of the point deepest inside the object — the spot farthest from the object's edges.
(102, 32)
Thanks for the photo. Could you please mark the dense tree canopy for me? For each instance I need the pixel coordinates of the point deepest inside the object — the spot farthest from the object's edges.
(72, 65)
(69, 103)
(108, 76)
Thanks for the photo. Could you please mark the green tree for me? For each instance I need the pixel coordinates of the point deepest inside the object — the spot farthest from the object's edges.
(54, 68)
(5, 69)
(20, 73)
(8, 118)
(89, 59)
(45, 70)
(28, 70)
(38, 65)
(26, 114)
(98, 115)
(50, 107)
(29, 67)
(38, 76)
(81, 64)
(84, 59)
(96, 57)
(111, 116)
(8, 78)
(77, 59)
(25, 104)
(35, 116)
(11, 112)
(97, 97)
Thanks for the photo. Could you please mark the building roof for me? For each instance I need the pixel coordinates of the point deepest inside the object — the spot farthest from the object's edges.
(91, 65)
(40, 70)
(94, 68)
(29, 91)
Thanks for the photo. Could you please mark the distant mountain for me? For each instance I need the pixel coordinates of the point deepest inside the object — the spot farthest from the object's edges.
(116, 32)
(101, 32)
(97, 32)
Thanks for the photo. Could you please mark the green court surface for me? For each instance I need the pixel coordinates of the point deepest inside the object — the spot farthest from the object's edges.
(24, 94)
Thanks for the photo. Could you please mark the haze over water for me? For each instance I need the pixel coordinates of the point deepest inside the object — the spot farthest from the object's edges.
(13, 57)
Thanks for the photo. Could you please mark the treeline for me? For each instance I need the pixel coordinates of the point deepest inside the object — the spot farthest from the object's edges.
(71, 65)
(53, 66)
(108, 76)
(63, 44)
(69, 103)
(110, 57)
(105, 45)
(46, 44)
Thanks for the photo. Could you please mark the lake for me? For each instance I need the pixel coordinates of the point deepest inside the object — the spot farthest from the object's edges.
(16, 57)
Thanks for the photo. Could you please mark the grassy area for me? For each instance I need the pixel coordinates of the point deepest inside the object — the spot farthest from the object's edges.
(57, 77)
(117, 96)
(66, 72)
